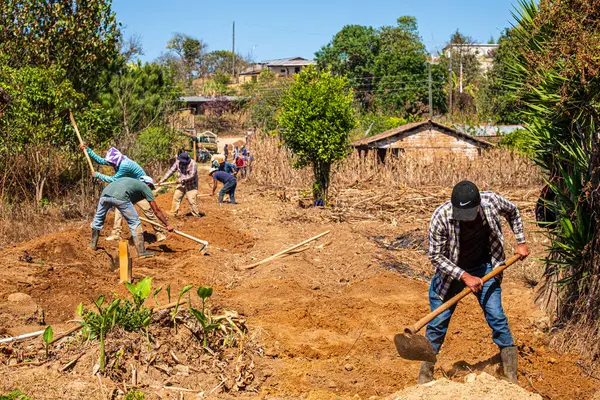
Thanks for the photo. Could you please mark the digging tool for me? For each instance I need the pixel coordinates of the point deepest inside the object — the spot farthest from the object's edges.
(177, 183)
(284, 252)
(411, 346)
(204, 243)
(87, 156)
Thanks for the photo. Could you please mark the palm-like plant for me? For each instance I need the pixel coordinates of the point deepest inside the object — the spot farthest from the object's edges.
(554, 76)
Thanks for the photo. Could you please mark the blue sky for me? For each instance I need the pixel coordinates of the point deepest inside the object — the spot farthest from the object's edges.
(277, 29)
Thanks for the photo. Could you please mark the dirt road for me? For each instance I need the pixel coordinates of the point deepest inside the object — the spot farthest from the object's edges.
(325, 317)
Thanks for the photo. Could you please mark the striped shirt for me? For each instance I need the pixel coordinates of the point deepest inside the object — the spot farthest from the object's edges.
(127, 169)
(189, 179)
(444, 234)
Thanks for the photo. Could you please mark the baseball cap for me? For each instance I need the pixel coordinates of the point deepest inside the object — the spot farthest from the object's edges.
(147, 180)
(465, 201)
(213, 169)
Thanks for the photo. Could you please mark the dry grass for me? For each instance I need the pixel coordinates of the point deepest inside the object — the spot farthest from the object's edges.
(496, 168)
(24, 221)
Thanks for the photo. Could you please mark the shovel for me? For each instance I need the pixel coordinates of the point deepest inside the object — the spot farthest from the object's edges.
(204, 243)
(411, 346)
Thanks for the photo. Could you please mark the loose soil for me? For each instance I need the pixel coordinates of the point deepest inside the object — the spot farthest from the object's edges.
(325, 317)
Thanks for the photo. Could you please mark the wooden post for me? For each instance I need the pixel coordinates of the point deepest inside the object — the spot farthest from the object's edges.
(124, 261)
(195, 145)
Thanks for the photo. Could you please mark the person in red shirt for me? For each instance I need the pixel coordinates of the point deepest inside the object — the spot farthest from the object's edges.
(241, 165)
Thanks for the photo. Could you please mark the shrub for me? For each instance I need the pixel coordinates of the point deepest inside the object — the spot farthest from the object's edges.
(518, 140)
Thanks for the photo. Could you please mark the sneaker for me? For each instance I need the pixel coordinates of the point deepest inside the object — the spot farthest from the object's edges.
(114, 236)
(160, 236)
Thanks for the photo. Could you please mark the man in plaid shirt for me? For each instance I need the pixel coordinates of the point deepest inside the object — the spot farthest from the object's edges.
(466, 243)
(187, 184)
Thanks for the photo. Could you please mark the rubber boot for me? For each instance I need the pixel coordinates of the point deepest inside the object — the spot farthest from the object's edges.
(138, 240)
(94, 241)
(509, 363)
(426, 372)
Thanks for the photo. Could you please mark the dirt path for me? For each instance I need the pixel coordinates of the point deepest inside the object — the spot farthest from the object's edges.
(325, 317)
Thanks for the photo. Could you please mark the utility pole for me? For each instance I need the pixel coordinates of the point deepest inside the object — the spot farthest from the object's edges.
(233, 54)
(461, 77)
(430, 93)
(450, 84)
(429, 63)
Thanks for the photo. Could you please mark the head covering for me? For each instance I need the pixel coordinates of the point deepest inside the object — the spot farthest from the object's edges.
(184, 158)
(114, 156)
(184, 161)
(213, 169)
(147, 180)
(465, 201)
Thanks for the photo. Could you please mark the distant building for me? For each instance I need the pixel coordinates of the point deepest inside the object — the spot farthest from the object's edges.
(197, 104)
(483, 52)
(426, 138)
(281, 67)
(491, 133)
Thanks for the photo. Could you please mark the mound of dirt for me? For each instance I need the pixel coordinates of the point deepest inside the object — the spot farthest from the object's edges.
(476, 387)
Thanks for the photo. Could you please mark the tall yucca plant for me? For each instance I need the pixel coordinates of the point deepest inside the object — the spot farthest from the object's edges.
(554, 76)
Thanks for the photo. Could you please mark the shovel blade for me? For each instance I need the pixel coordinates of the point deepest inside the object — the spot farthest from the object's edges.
(411, 346)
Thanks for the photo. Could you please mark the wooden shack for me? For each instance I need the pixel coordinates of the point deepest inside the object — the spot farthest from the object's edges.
(427, 138)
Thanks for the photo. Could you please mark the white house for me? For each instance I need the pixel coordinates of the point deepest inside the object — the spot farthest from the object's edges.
(281, 67)
(483, 52)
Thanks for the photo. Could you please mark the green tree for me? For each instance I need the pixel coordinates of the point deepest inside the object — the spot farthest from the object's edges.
(80, 37)
(386, 67)
(497, 100)
(401, 68)
(317, 117)
(138, 97)
(191, 52)
(352, 52)
(266, 97)
(33, 136)
(461, 54)
(221, 62)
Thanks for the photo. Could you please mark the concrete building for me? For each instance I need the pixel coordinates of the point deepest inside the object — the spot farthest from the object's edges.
(425, 139)
(483, 52)
(281, 67)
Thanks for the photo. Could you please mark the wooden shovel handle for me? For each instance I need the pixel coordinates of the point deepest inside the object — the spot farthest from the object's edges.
(87, 156)
(465, 292)
(185, 235)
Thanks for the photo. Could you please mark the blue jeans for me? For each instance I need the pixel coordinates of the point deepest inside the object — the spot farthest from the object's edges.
(490, 300)
(228, 188)
(126, 208)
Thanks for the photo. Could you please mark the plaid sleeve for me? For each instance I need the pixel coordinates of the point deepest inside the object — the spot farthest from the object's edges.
(510, 211)
(438, 242)
(170, 172)
(190, 172)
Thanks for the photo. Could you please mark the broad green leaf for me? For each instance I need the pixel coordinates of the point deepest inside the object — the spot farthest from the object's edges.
(48, 334)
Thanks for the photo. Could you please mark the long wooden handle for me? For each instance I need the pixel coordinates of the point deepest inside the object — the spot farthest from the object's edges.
(87, 156)
(274, 256)
(185, 235)
(465, 292)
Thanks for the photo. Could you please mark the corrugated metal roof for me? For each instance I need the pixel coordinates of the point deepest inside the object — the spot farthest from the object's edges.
(409, 127)
(489, 130)
(288, 62)
(253, 69)
(206, 99)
